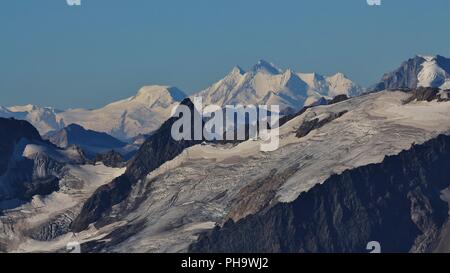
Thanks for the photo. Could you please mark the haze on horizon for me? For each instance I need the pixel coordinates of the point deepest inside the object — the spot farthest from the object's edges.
(56, 55)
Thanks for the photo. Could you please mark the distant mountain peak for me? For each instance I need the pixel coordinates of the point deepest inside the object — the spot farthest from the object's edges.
(267, 84)
(265, 66)
(428, 57)
(237, 70)
(90, 141)
(338, 75)
(127, 118)
(152, 93)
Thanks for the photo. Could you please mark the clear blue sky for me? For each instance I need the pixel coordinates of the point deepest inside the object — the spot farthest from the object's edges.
(57, 55)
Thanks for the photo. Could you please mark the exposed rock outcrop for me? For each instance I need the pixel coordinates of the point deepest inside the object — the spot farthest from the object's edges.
(22, 178)
(428, 94)
(316, 123)
(11, 131)
(111, 159)
(91, 142)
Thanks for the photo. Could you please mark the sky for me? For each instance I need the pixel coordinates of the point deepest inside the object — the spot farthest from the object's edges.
(53, 54)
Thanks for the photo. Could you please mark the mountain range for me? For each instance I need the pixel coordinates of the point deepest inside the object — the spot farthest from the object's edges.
(263, 84)
(362, 167)
(143, 113)
(374, 165)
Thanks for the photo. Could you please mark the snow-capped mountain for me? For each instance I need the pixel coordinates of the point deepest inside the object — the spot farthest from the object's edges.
(143, 113)
(267, 84)
(435, 73)
(91, 142)
(331, 86)
(420, 71)
(334, 161)
(45, 119)
(124, 119)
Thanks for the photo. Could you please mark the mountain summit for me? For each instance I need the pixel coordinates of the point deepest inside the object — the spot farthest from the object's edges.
(265, 66)
(124, 119)
(420, 71)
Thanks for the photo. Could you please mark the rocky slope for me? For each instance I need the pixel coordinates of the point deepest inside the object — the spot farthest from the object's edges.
(76, 135)
(159, 148)
(43, 223)
(207, 185)
(397, 202)
(124, 119)
(11, 132)
(21, 177)
(173, 191)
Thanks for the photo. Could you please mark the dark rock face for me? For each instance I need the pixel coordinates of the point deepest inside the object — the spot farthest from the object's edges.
(396, 202)
(40, 186)
(426, 94)
(159, 148)
(116, 237)
(11, 131)
(111, 159)
(338, 98)
(259, 195)
(310, 125)
(444, 63)
(23, 178)
(403, 77)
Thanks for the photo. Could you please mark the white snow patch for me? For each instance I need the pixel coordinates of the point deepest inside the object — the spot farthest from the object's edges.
(432, 75)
